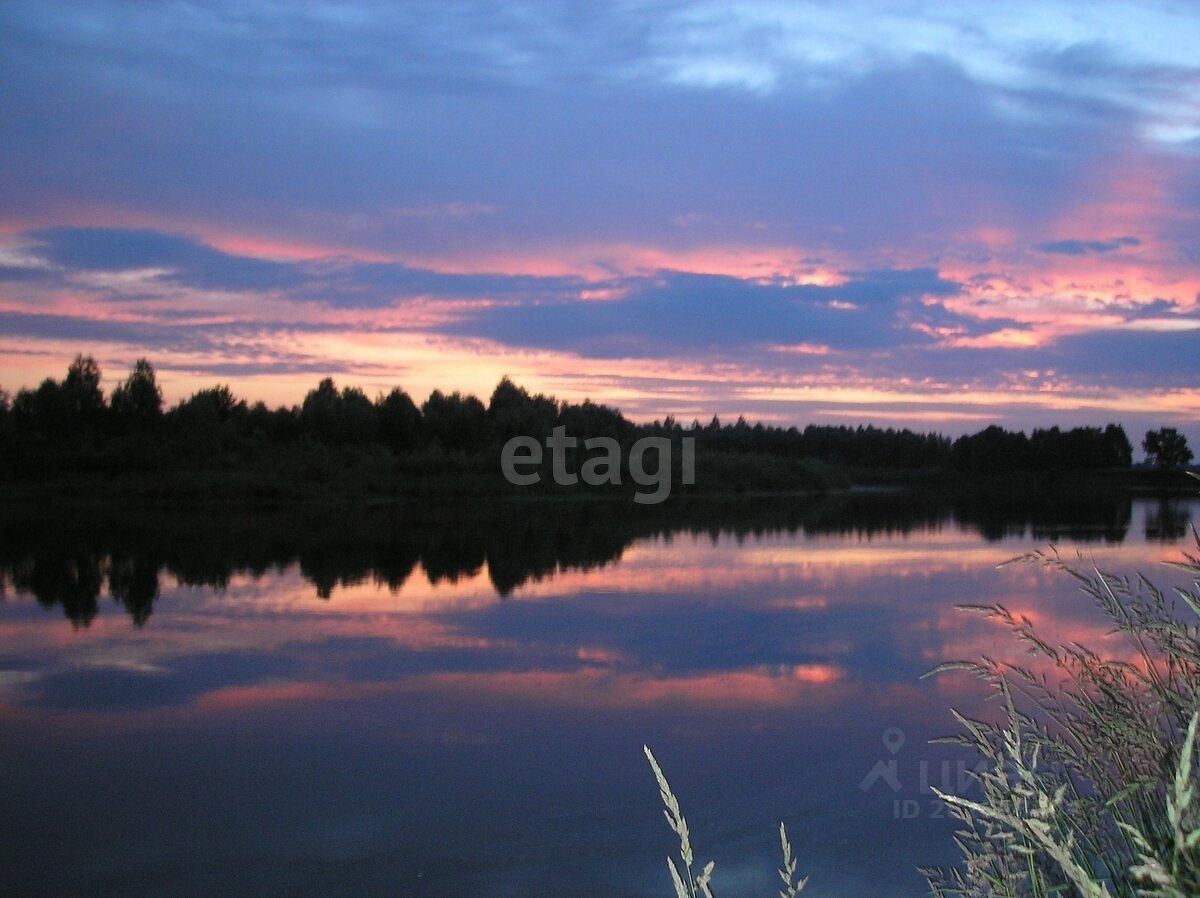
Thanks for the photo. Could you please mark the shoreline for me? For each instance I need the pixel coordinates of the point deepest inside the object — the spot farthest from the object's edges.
(201, 491)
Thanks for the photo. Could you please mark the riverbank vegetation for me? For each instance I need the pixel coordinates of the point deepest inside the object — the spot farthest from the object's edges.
(1088, 779)
(339, 441)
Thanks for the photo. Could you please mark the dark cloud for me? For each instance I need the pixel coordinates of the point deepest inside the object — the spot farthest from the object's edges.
(878, 321)
(370, 285)
(77, 328)
(1153, 309)
(118, 689)
(1133, 358)
(678, 313)
(187, 261)
(1117, 358)
(1088, 247)
(668, 313)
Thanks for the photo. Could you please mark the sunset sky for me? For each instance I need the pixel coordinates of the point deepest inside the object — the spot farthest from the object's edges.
(853, 212)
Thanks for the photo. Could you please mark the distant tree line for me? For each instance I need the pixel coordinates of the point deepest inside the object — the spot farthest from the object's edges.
(70, 424)
(995, 449)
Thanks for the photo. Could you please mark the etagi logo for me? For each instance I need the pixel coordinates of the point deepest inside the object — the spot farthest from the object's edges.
(603, 465)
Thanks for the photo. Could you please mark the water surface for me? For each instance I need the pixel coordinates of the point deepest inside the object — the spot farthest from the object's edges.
(438, 702)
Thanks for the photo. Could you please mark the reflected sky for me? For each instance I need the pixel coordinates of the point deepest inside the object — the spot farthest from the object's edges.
(290, 734)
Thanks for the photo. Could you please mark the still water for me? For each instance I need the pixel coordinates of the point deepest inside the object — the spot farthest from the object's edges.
(451, 702)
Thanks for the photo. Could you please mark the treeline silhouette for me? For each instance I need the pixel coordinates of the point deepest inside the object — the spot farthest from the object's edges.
(73, 562)
(340, 436)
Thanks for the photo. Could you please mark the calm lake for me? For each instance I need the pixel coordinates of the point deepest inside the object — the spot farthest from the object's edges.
(446, 702)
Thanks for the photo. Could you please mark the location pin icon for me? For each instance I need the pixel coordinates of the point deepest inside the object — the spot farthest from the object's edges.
(893, 739)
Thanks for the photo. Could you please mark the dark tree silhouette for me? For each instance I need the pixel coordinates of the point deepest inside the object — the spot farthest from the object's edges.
(73, 408)
(5, 414)
(1167, 448)
(400, 422)
(455, 421)
(338, 417)
(42, 411)
(70, 579)
(1168, 521)
(991, 450)
(513, 412)
(133, 581)
(138, 401)
(81, 392)
(589, 419)
(210, 407)
(1118, 445)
